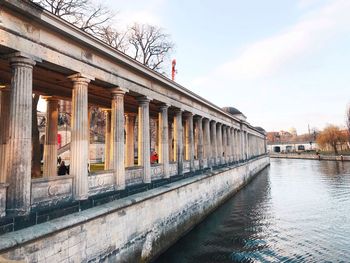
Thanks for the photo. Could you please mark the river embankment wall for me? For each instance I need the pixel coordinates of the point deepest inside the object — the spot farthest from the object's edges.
(311, 156)
(136, 228)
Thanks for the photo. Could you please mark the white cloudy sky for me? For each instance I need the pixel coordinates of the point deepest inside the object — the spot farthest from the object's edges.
(282, 63)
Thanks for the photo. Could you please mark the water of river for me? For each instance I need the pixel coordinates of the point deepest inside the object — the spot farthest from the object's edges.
(294, 211)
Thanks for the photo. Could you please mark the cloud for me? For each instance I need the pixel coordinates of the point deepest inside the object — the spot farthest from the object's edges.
(307, 3)
(128, 18)
(252, 80)
(137, 11)
(267, 56)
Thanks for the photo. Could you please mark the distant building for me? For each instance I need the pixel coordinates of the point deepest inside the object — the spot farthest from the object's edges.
(284, 141)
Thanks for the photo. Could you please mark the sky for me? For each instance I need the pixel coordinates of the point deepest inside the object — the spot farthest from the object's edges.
(283, 63)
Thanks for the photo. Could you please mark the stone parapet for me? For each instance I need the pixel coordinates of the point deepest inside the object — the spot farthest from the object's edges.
(51, 191)
(101, 182)
(130, 229)
(173, 168)
(157, 171)
(133, 175)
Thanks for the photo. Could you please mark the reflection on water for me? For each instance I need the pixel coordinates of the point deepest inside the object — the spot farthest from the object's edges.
(294, 211)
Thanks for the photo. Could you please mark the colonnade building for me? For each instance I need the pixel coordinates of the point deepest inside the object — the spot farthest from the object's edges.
(43, 54)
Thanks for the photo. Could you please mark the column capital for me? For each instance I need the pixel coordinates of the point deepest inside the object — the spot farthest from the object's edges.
(21, 58)
(143, 99)
(213, 122)
(219, 124)
(164, 106)
(197, 118)
(188, 114)
(178, 110)
(118, 91)
(81, 77)
(22, 61)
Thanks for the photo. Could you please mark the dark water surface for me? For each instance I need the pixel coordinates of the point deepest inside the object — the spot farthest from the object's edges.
(294, 211)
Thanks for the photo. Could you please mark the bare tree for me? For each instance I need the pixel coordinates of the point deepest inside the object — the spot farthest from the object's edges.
(114, 38)
(150, 45)
(84, 14)
(146, 43)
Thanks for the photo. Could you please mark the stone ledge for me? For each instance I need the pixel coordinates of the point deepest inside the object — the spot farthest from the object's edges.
(13, 239)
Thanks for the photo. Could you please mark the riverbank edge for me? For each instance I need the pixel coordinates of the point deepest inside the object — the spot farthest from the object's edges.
(137, 228)
(344, 158)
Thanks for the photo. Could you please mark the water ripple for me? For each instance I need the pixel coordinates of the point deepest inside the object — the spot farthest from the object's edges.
(296, 211)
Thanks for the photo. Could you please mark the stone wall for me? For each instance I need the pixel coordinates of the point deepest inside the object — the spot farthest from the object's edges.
(310, 156)
(133, 229)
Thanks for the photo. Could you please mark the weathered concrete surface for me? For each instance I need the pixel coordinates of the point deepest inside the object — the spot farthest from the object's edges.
(311, 157)
(132, 229)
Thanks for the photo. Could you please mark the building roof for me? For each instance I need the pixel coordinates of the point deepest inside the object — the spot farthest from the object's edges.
(260, 129)
(232, 110)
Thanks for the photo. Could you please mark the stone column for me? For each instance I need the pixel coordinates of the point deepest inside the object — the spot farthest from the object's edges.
(178, 145)
(51, 130)
(130, 138)
(232, 146)
(241, 144)
(171, 141)
(19, 147)
(246, 145)
(117, 137)
(213, 140)
(229, 144)
(200, 150)
(232, 139)
(189, 154)
(207, 142)
(80, 133)
(144, 147)
(238, 133)
(224, 143)
(107, 113)
(4, 130)
(235, 145)
(219, 142)
(163, 139)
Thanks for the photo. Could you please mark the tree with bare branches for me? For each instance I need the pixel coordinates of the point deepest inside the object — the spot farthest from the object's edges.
(149, 45)
(84, 14)
(114, 38)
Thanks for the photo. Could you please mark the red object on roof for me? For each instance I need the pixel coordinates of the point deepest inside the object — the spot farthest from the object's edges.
(173, 70)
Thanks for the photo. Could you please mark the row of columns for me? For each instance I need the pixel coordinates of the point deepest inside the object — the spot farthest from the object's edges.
(206, 139)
